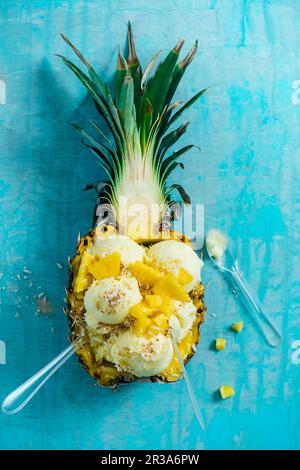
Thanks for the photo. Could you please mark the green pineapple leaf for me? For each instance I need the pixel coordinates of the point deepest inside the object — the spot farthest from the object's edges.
(98, 186)
(125, 104)
(170, 139)
(165, 165)
(104, 136)
(119, 74)
(158, 85)
(171, 168)
(139, 115)
(101, 150)
(184, 195)
(179, 72)
(87, 82)
(148, 70)
(146, 124)
(100, 86)
(184, 108)
(133, 64)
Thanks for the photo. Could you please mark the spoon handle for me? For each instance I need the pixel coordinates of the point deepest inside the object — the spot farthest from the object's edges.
(17, 399)
(188, 384)
(254, 307)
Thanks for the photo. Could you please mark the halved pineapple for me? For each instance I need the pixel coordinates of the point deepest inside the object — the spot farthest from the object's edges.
(140, 115)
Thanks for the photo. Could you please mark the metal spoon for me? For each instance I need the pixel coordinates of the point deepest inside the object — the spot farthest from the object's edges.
(17, 399)
(228, 264)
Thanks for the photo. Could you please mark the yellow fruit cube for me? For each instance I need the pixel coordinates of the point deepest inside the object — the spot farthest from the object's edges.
(83, 279)
(167, 307)
(141, 325)
(154, 301)
(168, 286)
(220, 344)
(226, 391)
(184, 277)
(237, 327)
(145, 274)
(141, 310)
(160, 321)
(102, 268)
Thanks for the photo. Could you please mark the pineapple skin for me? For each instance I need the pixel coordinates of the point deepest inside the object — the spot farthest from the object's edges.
(106, 373)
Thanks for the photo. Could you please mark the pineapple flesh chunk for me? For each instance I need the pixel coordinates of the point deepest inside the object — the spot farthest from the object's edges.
(102, 268)
(220, 344)
(140, 310)
(167, 307)
(154, 301)
(168, 286)
(237, 327)
(146, 275)
(226, 391)
(161, 321)
(142, 324)
(99, 268)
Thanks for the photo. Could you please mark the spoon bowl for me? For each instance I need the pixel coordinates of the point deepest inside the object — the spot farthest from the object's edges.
(224, 257)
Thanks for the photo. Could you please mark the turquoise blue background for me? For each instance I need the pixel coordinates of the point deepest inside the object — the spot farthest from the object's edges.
(247, 175)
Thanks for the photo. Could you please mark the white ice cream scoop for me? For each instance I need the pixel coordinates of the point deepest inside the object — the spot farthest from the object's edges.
(143, 357)
(129, 250)
(221, 250)
(173, 255)
(109, 300)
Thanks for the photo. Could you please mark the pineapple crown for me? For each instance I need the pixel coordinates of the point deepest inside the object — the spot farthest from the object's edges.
(140, 115)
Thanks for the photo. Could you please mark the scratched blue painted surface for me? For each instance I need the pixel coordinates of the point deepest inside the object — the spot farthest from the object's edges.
(247, 176)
